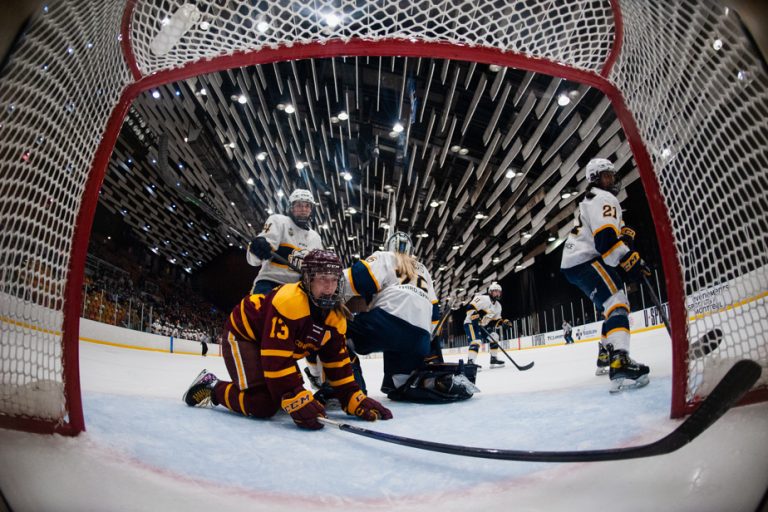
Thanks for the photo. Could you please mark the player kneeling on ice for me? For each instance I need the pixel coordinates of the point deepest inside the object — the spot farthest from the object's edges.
(266, 335)
(402, 311)
(484, 311)
(596, 249)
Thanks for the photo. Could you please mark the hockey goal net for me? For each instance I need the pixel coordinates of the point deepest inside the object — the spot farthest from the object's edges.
(683, 78)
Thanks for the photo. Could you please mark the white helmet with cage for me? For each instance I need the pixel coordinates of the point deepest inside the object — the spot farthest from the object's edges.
(494, 287)
(400, 242)
(595, 168)
(301, 195)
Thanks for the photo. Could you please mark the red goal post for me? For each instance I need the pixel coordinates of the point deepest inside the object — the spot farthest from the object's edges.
(682, 77)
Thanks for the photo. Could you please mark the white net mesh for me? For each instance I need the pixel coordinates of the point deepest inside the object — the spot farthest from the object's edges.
(56, 94)
(700, 107)
(699, 97)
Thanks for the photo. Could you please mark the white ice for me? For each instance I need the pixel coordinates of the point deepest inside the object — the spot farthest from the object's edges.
(146, 450)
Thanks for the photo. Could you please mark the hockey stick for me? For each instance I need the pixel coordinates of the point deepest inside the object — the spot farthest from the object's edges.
(521, 368)
(285, 262)
(725, 395)
(698, 349)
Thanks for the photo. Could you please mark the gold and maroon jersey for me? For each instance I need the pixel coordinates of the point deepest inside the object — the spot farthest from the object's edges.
(287, 329)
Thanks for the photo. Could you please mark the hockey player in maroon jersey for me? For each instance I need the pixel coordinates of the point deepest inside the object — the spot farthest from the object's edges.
(265, 336)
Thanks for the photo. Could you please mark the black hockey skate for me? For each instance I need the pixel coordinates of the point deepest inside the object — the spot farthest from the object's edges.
(313, 381)
(496, 363)
(200, 392)
(603, 360)
(626, 373)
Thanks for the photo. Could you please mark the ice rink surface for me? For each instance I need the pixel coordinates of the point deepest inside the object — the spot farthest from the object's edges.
(144, 449)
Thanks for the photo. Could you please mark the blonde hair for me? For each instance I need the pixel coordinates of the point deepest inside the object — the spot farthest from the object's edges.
(406, 266)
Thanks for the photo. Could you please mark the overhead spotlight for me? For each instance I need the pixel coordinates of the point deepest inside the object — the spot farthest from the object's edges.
(565, 195)
(480, 216)
(423, 234)
(280, 193)
(324, 225)
(270, 211)
(202, 92)
(332, 20)
(563, 100)
(456, 247)
(262, 25)
(204, 25)
(242, 99)
(398, 127)
(250, 181)
(393, 134)
(434, 204)
(290, 109)
(280, 106)
(343, 116)
(527, 235)
(261, 156)
(551, 238)
(385, 225)
(334, 119)
(494, 67)
(717, 44)
(156, 94)
(510, 174)
(455, 148)
(496, 259)
(347, 176)
(299, 165)
(463, 151)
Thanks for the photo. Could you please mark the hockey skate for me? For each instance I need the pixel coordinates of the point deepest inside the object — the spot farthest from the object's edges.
(496, 363)
(626, 373)
(313, 381)
(603, 360)
(200, 392)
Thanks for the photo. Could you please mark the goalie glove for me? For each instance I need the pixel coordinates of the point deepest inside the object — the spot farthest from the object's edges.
(303, 409)
(634, 266)
(260, 248)
(296, 259)
(628, 236)
(367, 408)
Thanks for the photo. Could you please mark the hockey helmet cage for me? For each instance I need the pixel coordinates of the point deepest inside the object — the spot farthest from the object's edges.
(494, 287)
(318, 262)
(304, 196)
(597, 166)
(400, 242)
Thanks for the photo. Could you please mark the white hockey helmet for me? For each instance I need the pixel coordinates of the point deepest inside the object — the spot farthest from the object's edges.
(400, 242)
(597, 166)
(494, 287)
(301, 194)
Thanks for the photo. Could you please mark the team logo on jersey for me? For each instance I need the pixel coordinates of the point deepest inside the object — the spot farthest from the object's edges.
(290, 231)
(267, 226)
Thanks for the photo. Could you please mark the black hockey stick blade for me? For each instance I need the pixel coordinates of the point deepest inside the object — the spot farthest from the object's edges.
(739, 379)
(699, 348)
(521, 368)
(706, 343)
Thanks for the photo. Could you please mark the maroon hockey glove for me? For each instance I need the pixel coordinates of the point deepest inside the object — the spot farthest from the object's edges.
(304, 409)
(366, 408)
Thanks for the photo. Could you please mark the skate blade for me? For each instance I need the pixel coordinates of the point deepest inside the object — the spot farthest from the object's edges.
(497, 366)
(620, 385)
(602, 371)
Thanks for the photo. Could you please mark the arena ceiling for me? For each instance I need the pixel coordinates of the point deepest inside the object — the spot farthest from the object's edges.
(481, 171)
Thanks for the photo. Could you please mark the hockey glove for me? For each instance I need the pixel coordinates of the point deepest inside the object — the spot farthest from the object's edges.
(260, 248)
(304, 409)
(634, 266)
(296, 259)
(628, 236)
(366, 408)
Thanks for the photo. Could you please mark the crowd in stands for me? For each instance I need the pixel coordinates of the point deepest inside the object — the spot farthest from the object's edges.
(119, 291)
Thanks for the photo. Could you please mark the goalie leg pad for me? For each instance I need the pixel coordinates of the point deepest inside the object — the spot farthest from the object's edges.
(438, 383)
